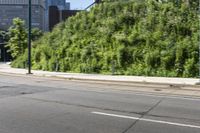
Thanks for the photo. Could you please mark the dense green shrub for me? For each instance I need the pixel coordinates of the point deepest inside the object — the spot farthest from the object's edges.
(132, 37)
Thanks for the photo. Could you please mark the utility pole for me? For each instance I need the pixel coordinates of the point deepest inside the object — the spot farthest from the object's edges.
(29, 36)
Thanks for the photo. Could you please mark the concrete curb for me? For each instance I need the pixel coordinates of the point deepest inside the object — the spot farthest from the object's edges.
(92, 78)
(164, 82)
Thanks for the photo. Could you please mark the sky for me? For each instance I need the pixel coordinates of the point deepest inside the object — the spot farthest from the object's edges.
(79, 4)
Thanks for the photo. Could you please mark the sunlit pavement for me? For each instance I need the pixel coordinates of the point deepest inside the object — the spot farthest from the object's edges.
(48, 105)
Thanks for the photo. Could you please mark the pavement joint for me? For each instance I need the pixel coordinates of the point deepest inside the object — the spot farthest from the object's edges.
(142, 116)
(85, 106)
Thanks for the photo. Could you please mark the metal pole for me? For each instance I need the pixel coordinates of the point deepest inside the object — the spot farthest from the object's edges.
(29, 37)
(4, 53)
(198, 83)
(198, 15)
(199, 38)
(4, 48)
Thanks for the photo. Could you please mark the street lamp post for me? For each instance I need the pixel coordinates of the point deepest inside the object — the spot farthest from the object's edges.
(4, 49)
(198, 83)
(199, 42)
(29, 37)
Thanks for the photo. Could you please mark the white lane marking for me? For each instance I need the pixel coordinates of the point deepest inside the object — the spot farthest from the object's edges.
(147, 120)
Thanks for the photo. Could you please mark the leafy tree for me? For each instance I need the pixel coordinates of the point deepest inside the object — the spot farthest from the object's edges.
(36, 34)
(18, 38)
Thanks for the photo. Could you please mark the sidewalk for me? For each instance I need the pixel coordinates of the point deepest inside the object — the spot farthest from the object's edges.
(5, 68)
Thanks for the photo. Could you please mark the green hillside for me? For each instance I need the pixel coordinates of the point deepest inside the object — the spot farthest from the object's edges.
(130, 37)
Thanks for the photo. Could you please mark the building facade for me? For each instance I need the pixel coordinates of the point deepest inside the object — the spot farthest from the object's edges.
(61, 4)
(10, 9)
(56, 15)
(53, 7)
(4, 54)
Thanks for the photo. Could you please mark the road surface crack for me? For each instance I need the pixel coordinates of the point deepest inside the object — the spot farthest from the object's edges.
(84, 106)
(144, 114)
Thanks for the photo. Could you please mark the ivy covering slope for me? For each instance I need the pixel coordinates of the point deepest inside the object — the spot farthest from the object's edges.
(131, 37)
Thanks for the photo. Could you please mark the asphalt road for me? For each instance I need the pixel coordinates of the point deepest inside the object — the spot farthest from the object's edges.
(46, 105)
